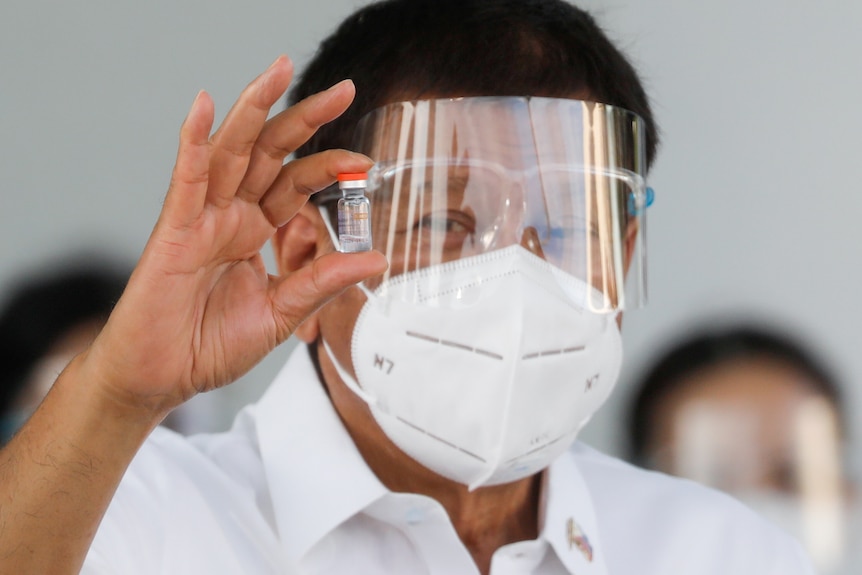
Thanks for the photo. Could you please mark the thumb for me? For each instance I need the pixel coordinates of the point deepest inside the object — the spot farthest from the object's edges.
(299, 294)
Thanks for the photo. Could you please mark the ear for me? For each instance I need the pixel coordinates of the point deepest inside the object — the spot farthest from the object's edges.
(297, 244)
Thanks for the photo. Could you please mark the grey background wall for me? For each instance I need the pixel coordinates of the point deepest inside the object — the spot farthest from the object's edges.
(758, 194)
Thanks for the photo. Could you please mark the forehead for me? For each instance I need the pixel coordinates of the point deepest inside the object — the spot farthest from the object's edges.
(771, 394)
(749, 379)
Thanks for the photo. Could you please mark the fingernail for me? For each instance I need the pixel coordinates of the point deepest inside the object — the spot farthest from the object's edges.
(276, 61)
(338, 84)
(197, 99)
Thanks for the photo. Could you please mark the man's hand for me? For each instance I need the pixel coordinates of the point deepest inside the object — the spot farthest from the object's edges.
(200, 309)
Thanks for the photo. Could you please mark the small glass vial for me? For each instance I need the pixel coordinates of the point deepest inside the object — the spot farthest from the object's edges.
(354, 213)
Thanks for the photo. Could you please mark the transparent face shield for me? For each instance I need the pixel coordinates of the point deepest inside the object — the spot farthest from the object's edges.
(459, 178)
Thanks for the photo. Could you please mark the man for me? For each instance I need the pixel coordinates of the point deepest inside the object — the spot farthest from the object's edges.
(427, 427)
(756, 414)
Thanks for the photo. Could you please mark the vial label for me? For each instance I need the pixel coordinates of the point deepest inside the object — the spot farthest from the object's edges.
(354, 226)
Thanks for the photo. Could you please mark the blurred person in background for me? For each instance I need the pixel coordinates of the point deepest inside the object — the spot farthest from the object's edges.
(756, 414)
(48, 316)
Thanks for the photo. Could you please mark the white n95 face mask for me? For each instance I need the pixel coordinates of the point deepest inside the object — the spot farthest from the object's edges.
(483, 369)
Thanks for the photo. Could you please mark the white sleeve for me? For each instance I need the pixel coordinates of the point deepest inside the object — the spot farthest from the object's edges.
(128, 539)
(789, 558)
(176, 513)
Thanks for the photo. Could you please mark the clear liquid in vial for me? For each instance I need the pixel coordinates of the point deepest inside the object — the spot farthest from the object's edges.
(354, 223)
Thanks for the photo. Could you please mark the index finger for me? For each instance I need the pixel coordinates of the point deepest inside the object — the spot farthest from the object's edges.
(285, 132)
(235, 138)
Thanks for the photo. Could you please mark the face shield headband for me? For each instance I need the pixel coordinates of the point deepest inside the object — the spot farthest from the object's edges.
(457, 178)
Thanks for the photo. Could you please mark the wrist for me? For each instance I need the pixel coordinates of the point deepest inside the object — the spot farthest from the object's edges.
(123, 391)
(96, 392)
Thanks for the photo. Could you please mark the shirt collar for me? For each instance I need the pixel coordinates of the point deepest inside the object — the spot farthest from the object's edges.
(570, 524)
(316, 476)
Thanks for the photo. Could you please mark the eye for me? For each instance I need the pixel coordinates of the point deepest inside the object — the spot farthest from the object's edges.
(449, 229)
(449, 222)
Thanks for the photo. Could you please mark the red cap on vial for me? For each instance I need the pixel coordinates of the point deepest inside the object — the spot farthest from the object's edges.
(352, 180)
(353, 177)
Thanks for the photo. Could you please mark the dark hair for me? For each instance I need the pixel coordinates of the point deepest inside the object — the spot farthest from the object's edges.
(409, 49)
(713, 347)
(40, 308)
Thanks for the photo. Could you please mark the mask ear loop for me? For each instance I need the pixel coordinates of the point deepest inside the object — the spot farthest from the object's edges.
(349, 381)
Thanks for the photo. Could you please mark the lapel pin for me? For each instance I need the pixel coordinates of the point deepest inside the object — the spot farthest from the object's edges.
(577, 538)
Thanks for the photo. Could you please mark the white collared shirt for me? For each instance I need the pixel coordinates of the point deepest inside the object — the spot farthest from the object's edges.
(286, 491)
